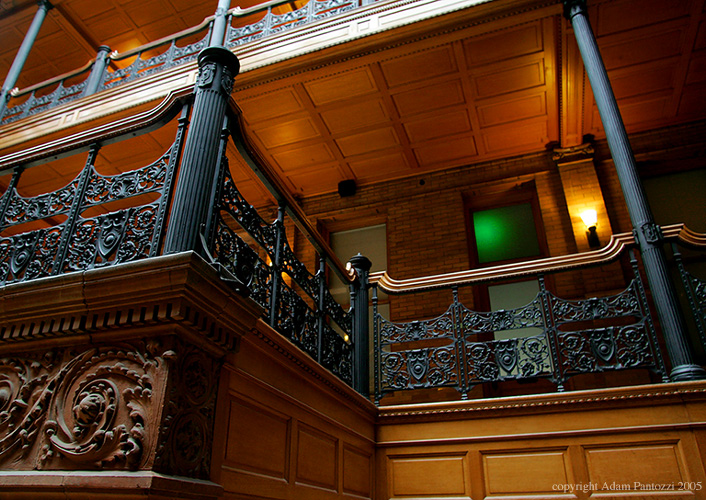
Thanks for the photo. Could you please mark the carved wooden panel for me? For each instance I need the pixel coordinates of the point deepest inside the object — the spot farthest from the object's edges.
(317, 458)
(357, 472)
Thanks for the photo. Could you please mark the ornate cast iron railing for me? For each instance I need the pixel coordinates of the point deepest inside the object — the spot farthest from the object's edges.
(96, 75)
(296, 302)
(39, 99)
(273, 24)
(550, 337)
(81, 242)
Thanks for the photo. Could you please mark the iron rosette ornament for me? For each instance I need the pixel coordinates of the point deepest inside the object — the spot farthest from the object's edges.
(91, 409)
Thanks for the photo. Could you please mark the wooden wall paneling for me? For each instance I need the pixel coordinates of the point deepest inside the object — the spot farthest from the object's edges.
(357, 471)
(294, 430)
(428, 475)
(523, 471)
(638, 466)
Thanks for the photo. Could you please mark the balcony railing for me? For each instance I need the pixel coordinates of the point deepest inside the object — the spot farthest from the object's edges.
(99, 220)
(166, 53)
(51, 234)
(548, 338)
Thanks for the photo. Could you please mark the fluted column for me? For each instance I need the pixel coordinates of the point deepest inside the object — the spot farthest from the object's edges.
(647, 233)
(217, 69)
(361, 334)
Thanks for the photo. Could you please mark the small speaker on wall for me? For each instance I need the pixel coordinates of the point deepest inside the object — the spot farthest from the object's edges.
(347, 188)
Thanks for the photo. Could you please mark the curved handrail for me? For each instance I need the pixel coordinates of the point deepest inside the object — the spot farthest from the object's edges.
(117, 56)
(610, 252)
(52, 81)
(63, 146)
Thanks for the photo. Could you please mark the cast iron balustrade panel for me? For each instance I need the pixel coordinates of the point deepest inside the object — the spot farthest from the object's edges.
(33, 104)
(172, 57)
(419, 354)
(80, 243)
(602, 348)
(305, 318)
(272, 24)
(577, 336)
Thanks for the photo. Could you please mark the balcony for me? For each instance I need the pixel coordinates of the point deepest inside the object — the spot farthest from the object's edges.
(171, 320)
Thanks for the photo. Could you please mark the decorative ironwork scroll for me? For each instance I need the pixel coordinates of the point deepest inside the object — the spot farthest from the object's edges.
(549, 338)
(70, 241)
(272, 24)
(294, 300)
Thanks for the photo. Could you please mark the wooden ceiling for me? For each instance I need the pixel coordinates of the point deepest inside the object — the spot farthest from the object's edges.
(419, 100)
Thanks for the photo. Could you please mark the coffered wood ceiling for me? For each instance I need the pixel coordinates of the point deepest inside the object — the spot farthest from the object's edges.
(443, 93)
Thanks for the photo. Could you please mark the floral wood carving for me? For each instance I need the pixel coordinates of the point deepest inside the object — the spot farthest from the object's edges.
(70, 409)
(187, 427)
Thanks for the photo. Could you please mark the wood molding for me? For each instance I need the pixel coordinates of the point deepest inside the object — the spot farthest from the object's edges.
(617, 244)
(619, 397)
(175, 291)
(107, 484)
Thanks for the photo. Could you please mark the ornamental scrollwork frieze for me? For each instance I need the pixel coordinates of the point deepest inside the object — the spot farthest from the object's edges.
(82, 409)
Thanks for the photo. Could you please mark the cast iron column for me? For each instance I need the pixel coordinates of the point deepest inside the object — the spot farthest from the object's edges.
(361, 343)
(217, 69)
(220, 23)
(95, 79)
(14, 73)
(647, 233)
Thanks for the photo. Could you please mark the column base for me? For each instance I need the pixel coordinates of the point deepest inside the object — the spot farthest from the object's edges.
(687, 372)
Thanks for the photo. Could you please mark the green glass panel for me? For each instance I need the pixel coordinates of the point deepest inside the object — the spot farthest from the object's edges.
(505, 233)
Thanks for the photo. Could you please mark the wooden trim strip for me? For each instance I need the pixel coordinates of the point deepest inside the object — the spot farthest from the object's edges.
(51, 81)
(657, 428)
(618, 243)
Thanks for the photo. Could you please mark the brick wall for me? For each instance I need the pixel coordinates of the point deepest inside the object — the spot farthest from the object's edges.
(426, 223)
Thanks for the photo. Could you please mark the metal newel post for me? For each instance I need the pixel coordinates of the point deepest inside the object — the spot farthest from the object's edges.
(95, 79)
(647, 233)
(14, 73)
(361, 342)
(217, 69)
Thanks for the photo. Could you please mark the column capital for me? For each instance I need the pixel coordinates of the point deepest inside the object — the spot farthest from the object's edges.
(573, 154)
(573, 7)
(219, 55)
(45, 4)
(360, 263)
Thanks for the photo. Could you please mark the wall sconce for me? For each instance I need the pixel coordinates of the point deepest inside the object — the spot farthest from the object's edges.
(590, 219)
